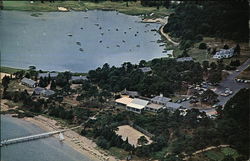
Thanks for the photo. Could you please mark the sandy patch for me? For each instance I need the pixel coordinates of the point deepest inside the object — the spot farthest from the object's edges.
(3, 75)
(132, 134)
(4, 107)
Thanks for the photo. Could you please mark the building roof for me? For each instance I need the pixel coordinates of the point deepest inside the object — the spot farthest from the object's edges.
(225, 51)
(52, 74)
(130, 93)
(184, 59)
(138, 103)
(48, 92)
(28, 81)
(145, 69)
(154, 106)
(161, 99)
(74, 78)
(173, 105)
(38, 90)
(124, 100)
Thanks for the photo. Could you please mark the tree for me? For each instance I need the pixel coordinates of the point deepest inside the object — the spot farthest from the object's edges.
(209, 96)
(237, 50)
(205, 65)
(53, 85)
(142, 140)
(225, 46)
(203, 46)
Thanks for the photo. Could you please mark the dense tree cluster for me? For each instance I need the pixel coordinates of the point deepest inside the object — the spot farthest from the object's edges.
(166, 78)
(192, 20)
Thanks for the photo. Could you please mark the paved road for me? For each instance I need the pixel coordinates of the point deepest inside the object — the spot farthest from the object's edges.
(229, 82)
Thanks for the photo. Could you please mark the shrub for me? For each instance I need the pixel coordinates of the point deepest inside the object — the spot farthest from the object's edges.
(203, 46)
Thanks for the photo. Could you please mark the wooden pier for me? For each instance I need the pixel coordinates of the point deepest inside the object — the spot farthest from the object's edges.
(29, 138)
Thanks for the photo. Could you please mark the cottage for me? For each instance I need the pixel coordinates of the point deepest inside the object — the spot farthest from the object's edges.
(137, 105)
(173, 106)
(183, 59)
(224, 53)
(145, 69)
(28, 82)
(160, 100)
(124, 101)
(154, 107)
(130, 93)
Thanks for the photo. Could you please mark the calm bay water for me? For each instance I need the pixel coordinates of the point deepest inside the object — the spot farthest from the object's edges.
(48, 149)
(75, 41)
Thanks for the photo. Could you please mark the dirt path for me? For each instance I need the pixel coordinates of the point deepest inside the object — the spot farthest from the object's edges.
(207, 149)
(166, 35)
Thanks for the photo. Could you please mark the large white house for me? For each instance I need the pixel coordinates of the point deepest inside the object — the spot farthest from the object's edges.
(137, 105)
(224, 53)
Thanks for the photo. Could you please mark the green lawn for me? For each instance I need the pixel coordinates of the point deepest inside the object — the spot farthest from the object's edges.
(134, 8)
(214, 155)
(9, 70)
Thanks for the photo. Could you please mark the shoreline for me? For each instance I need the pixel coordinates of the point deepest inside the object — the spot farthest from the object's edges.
(79, 143)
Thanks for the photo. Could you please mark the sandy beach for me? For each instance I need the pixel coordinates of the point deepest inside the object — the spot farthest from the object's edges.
(80, 143)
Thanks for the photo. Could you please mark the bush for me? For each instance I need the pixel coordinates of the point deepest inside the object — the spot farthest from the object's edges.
(203, 46)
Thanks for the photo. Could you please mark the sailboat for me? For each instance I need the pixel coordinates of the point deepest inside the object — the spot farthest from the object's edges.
(61, 137)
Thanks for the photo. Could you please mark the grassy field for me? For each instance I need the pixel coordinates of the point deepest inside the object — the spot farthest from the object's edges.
(9, 70)
(134, 8)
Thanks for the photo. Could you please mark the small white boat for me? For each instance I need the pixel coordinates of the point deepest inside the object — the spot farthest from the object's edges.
(61, 137)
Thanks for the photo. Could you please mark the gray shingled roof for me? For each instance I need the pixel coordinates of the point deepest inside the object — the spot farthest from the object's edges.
(160, 99)
(173, 105)
(28, 81)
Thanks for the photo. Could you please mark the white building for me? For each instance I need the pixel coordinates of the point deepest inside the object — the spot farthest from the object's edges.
(224, 53)
(137, 105)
